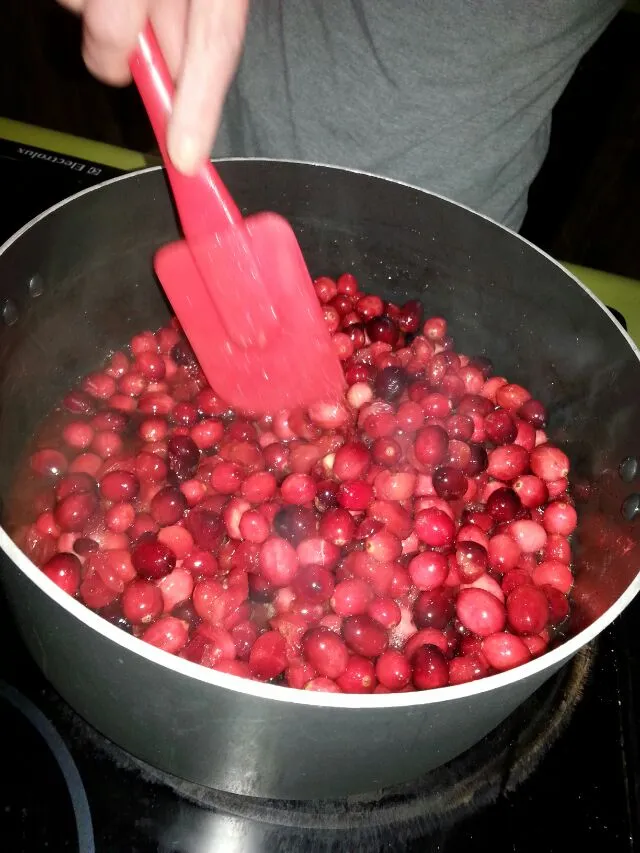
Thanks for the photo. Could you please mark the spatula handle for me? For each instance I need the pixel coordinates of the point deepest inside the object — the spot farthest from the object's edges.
(204, 204)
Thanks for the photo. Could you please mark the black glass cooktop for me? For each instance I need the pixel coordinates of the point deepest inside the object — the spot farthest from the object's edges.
(561, 774)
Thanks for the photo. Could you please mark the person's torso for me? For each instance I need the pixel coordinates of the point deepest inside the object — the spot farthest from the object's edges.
(452, 96)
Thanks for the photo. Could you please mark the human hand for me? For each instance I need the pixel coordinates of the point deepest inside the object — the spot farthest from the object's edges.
(201, 41)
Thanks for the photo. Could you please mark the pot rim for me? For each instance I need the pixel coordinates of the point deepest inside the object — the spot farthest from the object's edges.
(260, 690)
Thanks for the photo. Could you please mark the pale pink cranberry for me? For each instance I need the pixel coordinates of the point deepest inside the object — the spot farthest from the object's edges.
(201, 564)
(48, 463)
(298, 489)
(321, 684)
(428, 570)
(168, 633)
(385, 611)
(64, 570)
(317, 551)
(480, 612)
(394, 486)
(268, 656)
(560, 517)
(153, 429)
(553, 573)
(435, 329)
(431, 444)
(94, 592)
(175, 587)
(119, 517)
(505, 651)
(259, 487)
(107, 444)
(147, 342)
(557, 488)
(278, 561)
(177, 539)
(99, 385)
(78, 434)
(379, 575)
(383, 546)
(549, 463)
(529, 535)
(254, 527)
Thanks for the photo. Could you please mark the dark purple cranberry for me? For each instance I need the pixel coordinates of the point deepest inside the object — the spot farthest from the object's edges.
(84, 545)
(483, 364)
(183, 456)
(534, 413)
(391, 382)
(295, 523)
(478, 461)
(449, 482)
(206, 527)
(503, 505)
(433, 609)
(260, 590)
(186, 612)
(183, 355)
(326, 495)
(152, 559)
(383, 329)
(113, 613)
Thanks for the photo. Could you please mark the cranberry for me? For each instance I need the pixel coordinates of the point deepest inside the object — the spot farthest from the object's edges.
(168, 633)
(549, 463)
(527, 610)
(295, 523)
(351, 461)
(505, 651)
(471, 559)
(206, 527)
(428, 570)
(268, 656)
(435, 528)
(48, 463)
(141, 602)
(355, 496)
(382, 329)
(468, 667)
(431, 445)
(480, 612)
(433, 609)
(364, 636)
(152, 559)
(507, 462)
(449, 482)
(278, 561)
(391, 383)
(410, 317)
(74, 511)
(534, 413)
(351, 597)
(326, 652)
(119, 486)
(386, 451)
(500, 427)
(429, 668)
(393, 670)
(503, 505)
(560, 517)
(313, 583)
(168, 506)
(64, 570)
(183, 456)
(531, 490)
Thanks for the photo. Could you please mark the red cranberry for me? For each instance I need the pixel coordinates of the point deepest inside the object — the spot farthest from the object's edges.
(505, 651)
(435, 528)
(351, 597)
(206, 527)
(75, 510)
(326, 652)
(169, 634)
(278, 561)
(431, 445)
(355, 496)
(268, 656)
(48, 463)
(141, 602)
(314, 583)
(358, 677)
(364, 636)
(429, 668)
(558, 604)
(153, 559)
(410, 317)
(119, 486)
(534, 413)
(549, 463)
(168, 506)
(507, 462)
(351, 461)
(428, 570)
(527, 610)
(64, 570)
(500, 427)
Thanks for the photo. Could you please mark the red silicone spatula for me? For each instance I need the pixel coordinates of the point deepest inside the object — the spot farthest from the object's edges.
(239, 287)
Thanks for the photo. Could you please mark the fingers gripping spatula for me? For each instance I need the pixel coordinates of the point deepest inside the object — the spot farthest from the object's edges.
(239, 287)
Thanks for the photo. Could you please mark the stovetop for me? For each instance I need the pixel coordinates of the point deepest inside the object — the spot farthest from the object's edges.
(561, 773)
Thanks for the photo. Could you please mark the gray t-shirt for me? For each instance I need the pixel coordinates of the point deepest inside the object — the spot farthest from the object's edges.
(451, 95)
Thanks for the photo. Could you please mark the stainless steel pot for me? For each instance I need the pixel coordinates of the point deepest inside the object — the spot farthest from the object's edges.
(92, 255)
